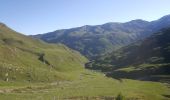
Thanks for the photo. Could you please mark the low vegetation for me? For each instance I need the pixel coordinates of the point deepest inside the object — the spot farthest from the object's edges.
(90, 86)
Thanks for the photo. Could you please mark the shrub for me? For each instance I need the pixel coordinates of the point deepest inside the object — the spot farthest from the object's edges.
(120, 97)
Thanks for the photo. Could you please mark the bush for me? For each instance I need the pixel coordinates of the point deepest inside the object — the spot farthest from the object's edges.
(120, 97)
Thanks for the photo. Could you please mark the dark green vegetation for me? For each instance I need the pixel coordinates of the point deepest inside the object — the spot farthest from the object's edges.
(145, 60)
(120, 97)
(92, 41)
(25, 59)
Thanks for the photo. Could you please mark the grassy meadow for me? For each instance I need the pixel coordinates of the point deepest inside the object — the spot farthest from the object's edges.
(88, 86)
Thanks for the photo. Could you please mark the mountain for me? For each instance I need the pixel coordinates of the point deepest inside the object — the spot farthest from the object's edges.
(95, 40)
(34, 70)
(145, 60)
(161, 23)
(92, 41)
(23, 58)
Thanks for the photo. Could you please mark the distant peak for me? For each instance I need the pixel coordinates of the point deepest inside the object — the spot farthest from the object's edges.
(137, 20)
(111, 23)
(165, 17)
(86, 26)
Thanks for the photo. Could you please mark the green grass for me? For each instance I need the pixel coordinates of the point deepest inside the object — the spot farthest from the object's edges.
(65, 77)
(89, 84)
(19, 59)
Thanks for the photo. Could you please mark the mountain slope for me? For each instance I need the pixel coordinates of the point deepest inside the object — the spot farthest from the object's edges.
(95, 40)
(25, 59)
(146, 60)
(46, 67)
(92, 41)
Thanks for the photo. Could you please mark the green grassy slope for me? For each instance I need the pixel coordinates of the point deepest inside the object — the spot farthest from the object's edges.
(33, 70)
(90, 86)
(146, 60)
(25, 59)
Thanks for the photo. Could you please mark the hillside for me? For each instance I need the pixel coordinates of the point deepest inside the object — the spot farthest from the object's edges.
(145, 60)
(93, 41)
(25, 59)
(34, 70)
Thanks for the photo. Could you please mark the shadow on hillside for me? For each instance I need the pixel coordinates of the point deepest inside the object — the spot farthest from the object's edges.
(167, 96)
(144, 78)
(152, 73)
(161, 74)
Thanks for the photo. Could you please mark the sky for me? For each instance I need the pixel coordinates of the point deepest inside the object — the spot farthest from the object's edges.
(42, 16)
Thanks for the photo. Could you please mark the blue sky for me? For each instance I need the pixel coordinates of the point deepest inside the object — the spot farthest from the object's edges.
(41, 16)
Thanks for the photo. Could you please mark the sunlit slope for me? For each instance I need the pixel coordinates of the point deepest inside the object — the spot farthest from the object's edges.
(25, 59)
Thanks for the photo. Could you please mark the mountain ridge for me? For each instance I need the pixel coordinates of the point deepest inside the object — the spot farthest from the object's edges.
(96, 40)
(145, 60)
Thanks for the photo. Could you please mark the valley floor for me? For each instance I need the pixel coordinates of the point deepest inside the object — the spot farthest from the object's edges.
(89, 86)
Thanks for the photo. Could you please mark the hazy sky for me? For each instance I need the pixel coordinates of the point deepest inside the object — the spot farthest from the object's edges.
(41, 16)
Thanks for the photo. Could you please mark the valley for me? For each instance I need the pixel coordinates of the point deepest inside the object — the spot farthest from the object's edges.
(32, 69)
(144, 60)
(91, 86)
